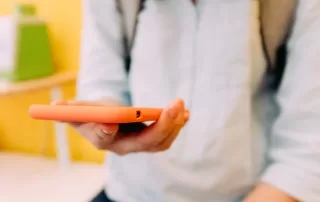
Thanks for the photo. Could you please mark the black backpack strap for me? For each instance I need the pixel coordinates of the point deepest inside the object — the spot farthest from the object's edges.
(128, 41)
(276, 20)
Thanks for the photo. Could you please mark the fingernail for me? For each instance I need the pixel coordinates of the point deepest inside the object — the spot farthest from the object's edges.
(109, 133)
(58, 102)
(54, 103)
(103, 134)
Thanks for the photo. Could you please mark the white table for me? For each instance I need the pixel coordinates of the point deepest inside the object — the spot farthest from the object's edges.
(38, 179)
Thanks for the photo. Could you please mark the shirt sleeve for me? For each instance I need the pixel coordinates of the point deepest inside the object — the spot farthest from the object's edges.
(102, 72)
(295, 139)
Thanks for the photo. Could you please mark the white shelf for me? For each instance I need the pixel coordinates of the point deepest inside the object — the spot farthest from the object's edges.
(9, 88)
(36, 179)
(53, 83)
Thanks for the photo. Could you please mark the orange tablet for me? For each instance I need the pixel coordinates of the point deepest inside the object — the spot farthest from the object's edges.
(94, 114)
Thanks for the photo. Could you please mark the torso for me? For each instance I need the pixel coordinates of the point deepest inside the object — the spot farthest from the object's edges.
(210, 55)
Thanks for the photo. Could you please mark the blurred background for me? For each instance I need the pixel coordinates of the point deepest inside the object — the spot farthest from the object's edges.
(39, 58)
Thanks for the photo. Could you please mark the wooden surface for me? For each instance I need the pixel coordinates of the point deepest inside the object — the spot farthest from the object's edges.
(7, 88)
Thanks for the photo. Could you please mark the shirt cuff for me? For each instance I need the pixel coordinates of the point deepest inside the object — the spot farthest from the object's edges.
(296, 182)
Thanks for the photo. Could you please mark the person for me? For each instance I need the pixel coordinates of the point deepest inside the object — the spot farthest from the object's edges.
(237, 143)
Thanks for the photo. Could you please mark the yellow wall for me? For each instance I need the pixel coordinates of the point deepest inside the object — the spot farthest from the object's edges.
(17, 131)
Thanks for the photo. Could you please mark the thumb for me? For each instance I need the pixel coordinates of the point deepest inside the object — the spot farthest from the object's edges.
(75, 103)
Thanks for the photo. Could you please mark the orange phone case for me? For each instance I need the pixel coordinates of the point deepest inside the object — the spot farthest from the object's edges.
(94, 114)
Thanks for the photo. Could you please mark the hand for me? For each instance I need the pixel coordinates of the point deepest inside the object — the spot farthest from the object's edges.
(129, 138)
(267, 193)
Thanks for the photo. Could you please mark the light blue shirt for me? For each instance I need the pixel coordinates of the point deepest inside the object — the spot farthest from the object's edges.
(211, 56)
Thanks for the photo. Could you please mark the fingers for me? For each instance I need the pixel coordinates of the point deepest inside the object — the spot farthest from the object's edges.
(106, 131)
(75, 103)
(100, 135)
(172, 117)
(163, 132)
(106, 102)
(58, 102)
(167, 142)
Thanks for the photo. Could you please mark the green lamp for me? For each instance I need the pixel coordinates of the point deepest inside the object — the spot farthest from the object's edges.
(24, 46)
